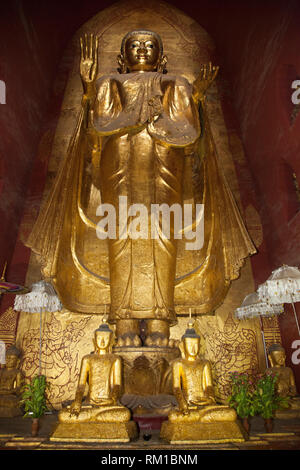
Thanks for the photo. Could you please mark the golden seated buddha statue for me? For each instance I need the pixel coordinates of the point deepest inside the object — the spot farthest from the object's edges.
(198, 418)
(100, 417)
(286, 386)
(11, 381)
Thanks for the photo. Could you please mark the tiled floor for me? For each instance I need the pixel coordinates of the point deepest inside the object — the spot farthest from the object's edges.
(15, 433)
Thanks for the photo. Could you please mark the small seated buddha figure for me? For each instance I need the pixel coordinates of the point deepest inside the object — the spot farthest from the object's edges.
(198, 418)
(286, 386)
(102, 372)
(11, 382)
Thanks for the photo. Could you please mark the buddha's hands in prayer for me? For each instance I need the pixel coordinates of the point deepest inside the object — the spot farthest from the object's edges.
(208, 73)
(156, 108)
(88, 60)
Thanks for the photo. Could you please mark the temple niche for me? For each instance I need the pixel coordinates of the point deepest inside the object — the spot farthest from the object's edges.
(228, 344)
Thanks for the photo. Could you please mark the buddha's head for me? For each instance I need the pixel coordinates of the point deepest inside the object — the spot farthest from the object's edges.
(276, 354)
(103, 338)
(142, 51)
(12, 358)
(191, 343)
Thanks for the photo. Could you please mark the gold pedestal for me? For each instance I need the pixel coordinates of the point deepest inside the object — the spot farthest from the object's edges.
(95, 432)
(144, 369)
(202, 433)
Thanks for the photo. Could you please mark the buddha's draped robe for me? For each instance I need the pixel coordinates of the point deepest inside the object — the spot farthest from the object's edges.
(168, 160)
(143, 161)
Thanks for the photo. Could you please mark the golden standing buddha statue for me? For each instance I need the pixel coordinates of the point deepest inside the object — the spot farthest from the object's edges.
(198, 418)
(285, 385)
(140, 138)
(11, 382)
(132, 112)
(102, 372)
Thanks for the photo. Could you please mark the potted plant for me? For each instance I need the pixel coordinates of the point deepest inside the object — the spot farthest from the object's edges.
(241, 397)
(266, 400)
(34, 400)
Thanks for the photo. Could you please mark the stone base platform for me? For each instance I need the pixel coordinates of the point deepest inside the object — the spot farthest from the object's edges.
(202, 433)
(95, 432)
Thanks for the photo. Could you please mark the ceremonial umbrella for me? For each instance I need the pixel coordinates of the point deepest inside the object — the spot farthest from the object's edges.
(282, 287)
(41, 298)
(253, 307)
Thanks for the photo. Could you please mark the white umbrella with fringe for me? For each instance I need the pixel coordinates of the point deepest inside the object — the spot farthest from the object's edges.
(253, 307)
(41, 298)
(282, 287)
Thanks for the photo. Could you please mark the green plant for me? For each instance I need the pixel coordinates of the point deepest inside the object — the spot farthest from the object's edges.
(33, 397)
(241, 394)
(265, 398)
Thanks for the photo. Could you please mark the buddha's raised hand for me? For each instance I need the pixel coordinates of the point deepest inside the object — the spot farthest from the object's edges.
(208, 73)
(88, 59)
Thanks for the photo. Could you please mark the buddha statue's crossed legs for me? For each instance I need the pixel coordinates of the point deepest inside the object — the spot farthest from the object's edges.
(101, 414)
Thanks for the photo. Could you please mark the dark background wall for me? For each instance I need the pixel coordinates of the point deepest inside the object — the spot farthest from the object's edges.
(257, 44)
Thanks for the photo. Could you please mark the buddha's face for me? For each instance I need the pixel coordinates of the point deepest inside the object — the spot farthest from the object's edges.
(278, 358)
(102, 340)
(192, 347)
(11, 361)
(142, 52)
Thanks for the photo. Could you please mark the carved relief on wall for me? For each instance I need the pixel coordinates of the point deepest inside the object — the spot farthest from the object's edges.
(65, 339)
(271, 330)
(230, 348)
(8, 323)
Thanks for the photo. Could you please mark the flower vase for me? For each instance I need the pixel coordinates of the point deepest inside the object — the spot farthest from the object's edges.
(246, 424)
(35, 427)
(269, 424)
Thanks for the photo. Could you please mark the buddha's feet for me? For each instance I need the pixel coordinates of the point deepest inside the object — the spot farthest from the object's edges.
(209, 414)
(158, 340)
(129, 340)
(154, 340)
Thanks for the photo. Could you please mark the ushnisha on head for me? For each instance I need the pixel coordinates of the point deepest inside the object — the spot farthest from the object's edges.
(276, 354)
(103, 337)
(142, 51)
(191, 342)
